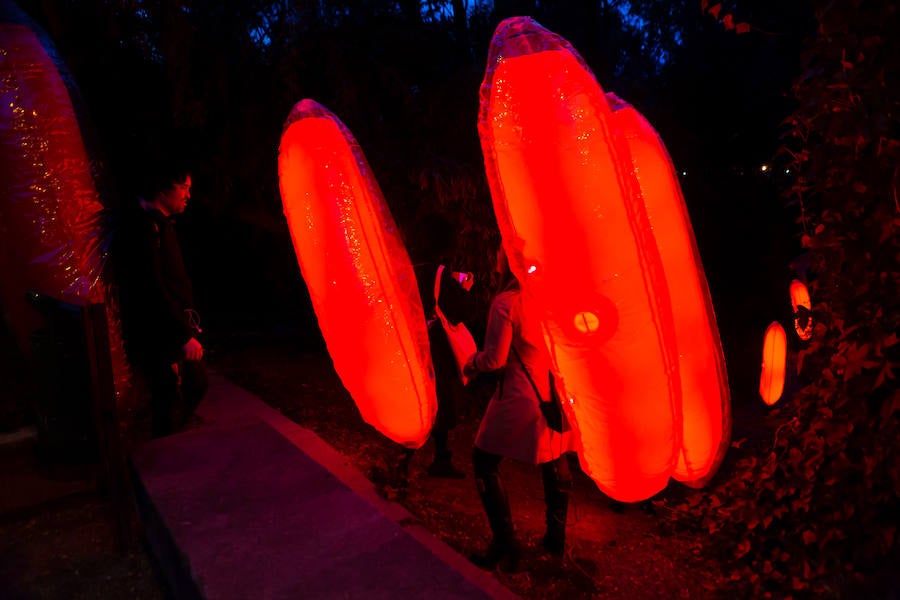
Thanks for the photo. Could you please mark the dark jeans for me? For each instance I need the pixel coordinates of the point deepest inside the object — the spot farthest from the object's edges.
(173, 398)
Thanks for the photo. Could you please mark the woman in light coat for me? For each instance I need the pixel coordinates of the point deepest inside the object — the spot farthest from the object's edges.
(513, 425)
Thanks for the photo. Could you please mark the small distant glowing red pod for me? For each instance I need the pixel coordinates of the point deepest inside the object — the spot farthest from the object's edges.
(48, 196)
(706, 398)
(359, 275)
(579, 240)
(802, 307)
(771, 379)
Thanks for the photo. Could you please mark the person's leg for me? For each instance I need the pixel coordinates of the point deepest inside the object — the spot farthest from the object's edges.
(504, 547)
(557, 484)
(405, 458)
(442, 466)
(194, 383)
(441, 451)
(162, 381)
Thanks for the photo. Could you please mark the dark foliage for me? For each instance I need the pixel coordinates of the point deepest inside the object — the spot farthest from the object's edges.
(811, 508)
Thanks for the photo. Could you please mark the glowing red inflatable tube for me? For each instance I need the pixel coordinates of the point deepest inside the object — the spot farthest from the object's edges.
(48, 198)
(579, 239)
(774, 363)
(359, 275)
(706, 399)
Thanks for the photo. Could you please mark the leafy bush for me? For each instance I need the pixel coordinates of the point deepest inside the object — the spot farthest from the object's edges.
(814, 509)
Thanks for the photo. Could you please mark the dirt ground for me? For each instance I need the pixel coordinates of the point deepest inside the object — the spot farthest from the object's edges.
(632, 554)
(66, 549)
(59, 542)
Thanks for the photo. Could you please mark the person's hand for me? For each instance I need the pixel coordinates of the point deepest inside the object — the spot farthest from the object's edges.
(466, 280)
(192, 350)
(469, 370)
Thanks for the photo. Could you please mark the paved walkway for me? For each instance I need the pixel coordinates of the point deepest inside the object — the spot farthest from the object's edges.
(251, 505)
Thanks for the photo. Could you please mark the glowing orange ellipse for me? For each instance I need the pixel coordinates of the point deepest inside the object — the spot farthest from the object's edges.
(771, 378)
(585, 193)
(359, 275)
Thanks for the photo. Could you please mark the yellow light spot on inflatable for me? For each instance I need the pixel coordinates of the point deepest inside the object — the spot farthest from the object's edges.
(587, 322)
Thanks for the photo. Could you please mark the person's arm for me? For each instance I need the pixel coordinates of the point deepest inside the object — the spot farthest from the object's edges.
(192, 350)
(497, 340)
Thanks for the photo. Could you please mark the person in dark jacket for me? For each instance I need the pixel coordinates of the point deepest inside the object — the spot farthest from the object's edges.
(159, 323)
(438, 241)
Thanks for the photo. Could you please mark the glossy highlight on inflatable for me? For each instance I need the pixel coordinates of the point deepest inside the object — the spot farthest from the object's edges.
(774, 364)
(359, 275)
(584, 193)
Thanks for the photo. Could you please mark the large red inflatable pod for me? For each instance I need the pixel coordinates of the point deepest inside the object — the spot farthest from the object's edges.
(359, 275)
(48, 196)
(706, 399)
(580, 240)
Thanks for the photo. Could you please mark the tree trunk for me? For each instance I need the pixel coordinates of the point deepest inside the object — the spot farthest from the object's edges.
(459, 16)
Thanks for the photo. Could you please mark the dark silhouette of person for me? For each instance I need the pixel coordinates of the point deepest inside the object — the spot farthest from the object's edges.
(160, 325)
(437, 241)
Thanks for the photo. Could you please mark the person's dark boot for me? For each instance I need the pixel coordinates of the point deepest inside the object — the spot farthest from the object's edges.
(503, 550)
(504, 554)
(555, 538)
(443, 467)
(404, 459)
(557, 482)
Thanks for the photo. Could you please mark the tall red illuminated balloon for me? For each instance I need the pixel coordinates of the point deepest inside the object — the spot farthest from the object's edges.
(359, 275)
(48, 196)
(706, 398)
(575, 191)
(572, 228)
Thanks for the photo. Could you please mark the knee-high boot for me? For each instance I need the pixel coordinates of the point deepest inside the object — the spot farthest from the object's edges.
(504, 547)
(557, 483)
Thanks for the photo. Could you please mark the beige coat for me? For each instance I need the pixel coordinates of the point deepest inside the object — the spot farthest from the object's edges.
(513, 425)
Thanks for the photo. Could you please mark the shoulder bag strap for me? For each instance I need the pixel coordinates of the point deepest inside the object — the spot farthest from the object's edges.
(527, 374)
(437, 293)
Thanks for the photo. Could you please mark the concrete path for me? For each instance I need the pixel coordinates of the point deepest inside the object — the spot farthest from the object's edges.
(251, 505)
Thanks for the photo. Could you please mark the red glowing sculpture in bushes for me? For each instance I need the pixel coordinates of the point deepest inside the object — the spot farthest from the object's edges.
(359, 275)
(802, 307)
(596, 231)
(774, 364)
